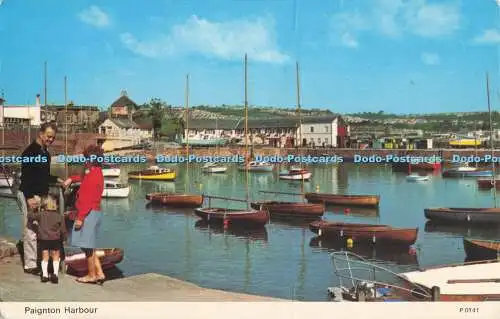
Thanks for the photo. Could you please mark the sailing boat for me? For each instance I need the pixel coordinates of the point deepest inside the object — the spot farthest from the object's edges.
(297, 173)
(244, 218)
(214, 167)
(470, 215)
(294, 209)
(179, 199)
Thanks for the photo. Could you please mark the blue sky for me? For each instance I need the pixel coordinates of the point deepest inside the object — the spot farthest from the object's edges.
(355, 55)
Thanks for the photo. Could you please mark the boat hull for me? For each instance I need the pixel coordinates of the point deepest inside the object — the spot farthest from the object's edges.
(481, 249)
(460, 173)
(176, 200)
(296, 177)
(116, 192)
(487, 183)
(77, 263)
(233, 217)
(290, 209)
(365, 233)
(417, 178)
(207, 142)
(153, 177)
(463, 215)
(111, 172)
(345, 200)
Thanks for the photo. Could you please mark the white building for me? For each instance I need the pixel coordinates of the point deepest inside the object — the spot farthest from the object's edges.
(18, 114)
(319, 131)
(121, 132)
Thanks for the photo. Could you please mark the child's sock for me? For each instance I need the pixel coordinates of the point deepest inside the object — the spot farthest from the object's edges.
(55, 264)
(45, 268)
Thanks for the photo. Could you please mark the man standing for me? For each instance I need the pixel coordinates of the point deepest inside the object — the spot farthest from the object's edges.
(35, 181)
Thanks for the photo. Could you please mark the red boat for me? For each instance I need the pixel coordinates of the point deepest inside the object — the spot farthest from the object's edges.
(233, 217)
(76, 262)
(365, 233)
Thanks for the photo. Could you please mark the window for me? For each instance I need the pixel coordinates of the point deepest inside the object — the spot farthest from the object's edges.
(326, 129)
(326, 140)
(311, 129)
(319, 140)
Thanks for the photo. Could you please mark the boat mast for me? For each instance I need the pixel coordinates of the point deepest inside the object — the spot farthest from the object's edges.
(246, 132)
(493, 180)
(297, 75)
(45, 91)
(65, 124)
(186, 101)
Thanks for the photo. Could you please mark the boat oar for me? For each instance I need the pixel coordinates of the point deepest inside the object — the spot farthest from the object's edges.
(473, 281)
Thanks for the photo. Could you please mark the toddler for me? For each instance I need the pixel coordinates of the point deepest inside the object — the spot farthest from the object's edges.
(51, 232)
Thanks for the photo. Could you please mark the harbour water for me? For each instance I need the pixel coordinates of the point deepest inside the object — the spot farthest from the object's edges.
(283, 261)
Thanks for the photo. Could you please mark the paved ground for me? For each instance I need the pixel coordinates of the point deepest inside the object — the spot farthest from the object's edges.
(15, 285)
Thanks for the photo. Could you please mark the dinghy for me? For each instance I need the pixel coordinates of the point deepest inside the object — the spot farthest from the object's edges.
(417, 178)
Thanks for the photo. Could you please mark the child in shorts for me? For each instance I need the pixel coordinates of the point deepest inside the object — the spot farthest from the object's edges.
(51, 232)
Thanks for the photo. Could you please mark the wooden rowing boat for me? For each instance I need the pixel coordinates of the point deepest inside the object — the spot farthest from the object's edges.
(233, 217)
(291, 209)
(255, 234)
(76, 262)
(153, 173)
(477, 249)
(488, 183)
(337, 199)
(365, 233)
(176, 199)
(463, 215)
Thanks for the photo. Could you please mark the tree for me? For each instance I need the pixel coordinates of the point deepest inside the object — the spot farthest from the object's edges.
(156, 112)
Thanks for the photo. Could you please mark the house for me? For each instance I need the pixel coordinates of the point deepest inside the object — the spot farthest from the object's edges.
(119, 128)
(20, 115)
(329, 131)
(79, 118)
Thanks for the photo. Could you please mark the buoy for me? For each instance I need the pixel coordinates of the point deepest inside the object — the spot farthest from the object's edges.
(350, 242)
(347, 211)
(412, 251)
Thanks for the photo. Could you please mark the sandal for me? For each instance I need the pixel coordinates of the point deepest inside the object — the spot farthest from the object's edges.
(100, 279)
(86, 280)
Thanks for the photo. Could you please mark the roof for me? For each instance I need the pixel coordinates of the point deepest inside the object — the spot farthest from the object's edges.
(124, 123)
(123, 100)
(233, 124)
(72, 107)
(144, 123)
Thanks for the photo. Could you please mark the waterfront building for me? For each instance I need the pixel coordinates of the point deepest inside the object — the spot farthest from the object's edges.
(325, 131)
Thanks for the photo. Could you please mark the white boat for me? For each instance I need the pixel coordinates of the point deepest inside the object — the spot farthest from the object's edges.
(109, 171)
(255, 166)
(417, 178)
(114, 189)
(295, 174)
(6, 181)
(214, 168)
(466, 282)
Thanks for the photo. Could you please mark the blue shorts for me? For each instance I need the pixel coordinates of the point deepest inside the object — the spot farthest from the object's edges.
(86, 236)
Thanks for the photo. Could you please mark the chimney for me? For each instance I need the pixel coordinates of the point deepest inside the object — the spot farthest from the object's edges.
(38, 104)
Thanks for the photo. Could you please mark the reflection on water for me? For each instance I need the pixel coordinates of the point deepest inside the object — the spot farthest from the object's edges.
(254, 234)
(457, 230)
(280, 261)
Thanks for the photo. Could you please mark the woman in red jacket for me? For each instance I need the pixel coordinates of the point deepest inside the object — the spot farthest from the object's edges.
(89, 215)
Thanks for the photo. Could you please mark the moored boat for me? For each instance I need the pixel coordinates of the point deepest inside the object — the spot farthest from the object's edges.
(290, 209)
(214, 168)
(176, 199)
(153, 173)
(338, 199)
(76, 262)
(463, 215)
(233, 217)
(114, 189)
(488, 183)
(255, 166)
(296, 174)
(467, 171)
(477, 249)
(365, 233)
(417, 178)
